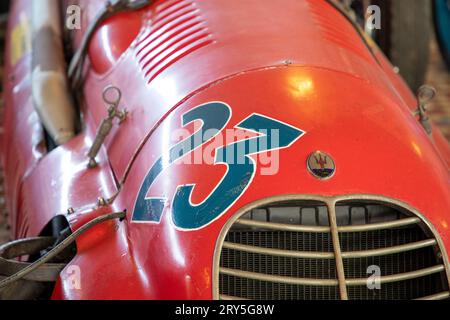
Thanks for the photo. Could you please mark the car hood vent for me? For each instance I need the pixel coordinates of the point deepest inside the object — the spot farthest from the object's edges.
(175, 30)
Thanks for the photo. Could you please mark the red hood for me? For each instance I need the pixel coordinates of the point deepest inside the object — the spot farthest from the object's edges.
(377, 145)
(187, 47)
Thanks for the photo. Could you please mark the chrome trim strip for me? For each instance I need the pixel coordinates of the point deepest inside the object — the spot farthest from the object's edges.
(277, 252)
(331, 282)
(279, 279)
(399, 277)
(438, 296)
(337, 250)
(324, 229)
(390, 250)
(231, 298)
(330, 255)
(282, 226)
(380, 226)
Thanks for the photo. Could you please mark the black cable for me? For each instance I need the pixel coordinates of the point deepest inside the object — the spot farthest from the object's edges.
(59, 248)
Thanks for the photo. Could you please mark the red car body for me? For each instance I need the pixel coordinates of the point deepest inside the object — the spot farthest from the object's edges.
(300, 62)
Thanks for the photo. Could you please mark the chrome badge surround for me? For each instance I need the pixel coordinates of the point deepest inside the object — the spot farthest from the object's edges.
(321, 165)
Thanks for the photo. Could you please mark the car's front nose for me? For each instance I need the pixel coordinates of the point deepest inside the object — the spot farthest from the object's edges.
(361, 181)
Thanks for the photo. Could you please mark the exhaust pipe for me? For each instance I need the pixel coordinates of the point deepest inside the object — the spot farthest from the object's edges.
(50, 89)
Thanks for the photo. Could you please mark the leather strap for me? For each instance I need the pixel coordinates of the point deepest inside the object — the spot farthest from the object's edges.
(32, 246)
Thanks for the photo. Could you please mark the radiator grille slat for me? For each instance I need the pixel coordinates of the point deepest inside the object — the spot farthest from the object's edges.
(285, 251)
(280, 253)
(379, 226)
(283, 227)
(279, 279)
(330, 255)
(399, 277)
(438, 296)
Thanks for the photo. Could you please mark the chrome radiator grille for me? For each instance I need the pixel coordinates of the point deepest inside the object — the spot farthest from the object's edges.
(313, 250)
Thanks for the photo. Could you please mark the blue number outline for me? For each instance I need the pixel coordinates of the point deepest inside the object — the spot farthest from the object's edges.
(181, 190)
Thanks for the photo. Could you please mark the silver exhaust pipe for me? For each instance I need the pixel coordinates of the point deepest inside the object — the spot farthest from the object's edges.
(50, 88)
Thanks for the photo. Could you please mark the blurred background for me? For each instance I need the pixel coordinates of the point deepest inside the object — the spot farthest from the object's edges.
(414, 34)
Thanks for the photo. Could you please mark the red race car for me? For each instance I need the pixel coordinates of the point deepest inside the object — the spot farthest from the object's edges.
(216, 149)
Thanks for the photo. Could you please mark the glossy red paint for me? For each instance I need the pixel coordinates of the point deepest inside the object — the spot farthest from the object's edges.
(112, 39)
(301, 63)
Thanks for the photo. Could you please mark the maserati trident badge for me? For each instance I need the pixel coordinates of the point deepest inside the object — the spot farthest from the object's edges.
(321, 165)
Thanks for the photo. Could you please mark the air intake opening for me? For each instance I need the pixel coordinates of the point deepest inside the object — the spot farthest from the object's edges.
(284, 251)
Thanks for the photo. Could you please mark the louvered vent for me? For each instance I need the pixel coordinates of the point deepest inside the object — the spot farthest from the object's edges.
(286, 251)
(176, 30)
(341, 34)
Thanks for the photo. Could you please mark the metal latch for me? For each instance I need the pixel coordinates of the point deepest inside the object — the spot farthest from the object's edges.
(425, 95)
(111, 96)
